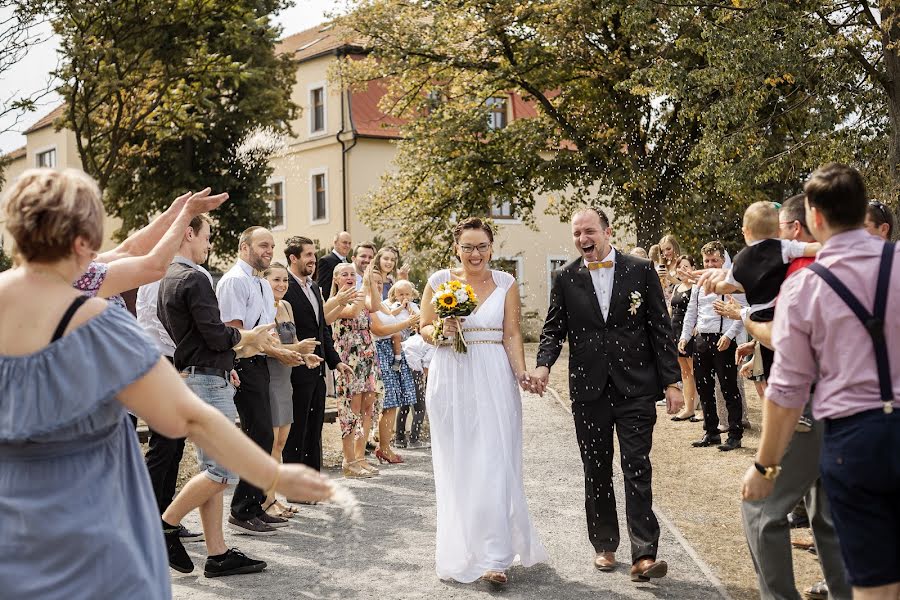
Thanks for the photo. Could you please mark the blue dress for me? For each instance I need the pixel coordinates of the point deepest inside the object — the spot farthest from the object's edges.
(78, 517)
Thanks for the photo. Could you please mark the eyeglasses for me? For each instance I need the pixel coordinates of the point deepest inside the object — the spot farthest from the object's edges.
(482, 248)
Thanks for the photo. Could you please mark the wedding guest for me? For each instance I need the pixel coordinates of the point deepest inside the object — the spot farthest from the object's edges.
(164, 454)
(639, 252)
(681, 296)
(145, 255)
(825, 333)
(280, 389)
(56, 219)
(340, 253)
(714, 357)
(879, 220)
(418, 354)
(246, 301)
(670, 251)
(362, 257)
(399, 387)
(304, 441)
(765, 526)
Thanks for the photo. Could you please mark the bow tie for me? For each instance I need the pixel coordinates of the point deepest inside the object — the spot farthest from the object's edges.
(606, 264)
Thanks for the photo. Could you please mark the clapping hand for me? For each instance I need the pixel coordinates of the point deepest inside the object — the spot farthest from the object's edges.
(347, 295)
(288, 358)
(413, 321)
(312, 360)
(403, 272)
(305, 346)
(688, 275)
(730, 309)
(709, 278)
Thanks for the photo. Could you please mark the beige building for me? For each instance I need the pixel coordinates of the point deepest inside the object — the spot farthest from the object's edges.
(342, 145)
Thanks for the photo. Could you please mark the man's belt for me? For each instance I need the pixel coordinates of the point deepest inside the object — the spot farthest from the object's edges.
(206, 371)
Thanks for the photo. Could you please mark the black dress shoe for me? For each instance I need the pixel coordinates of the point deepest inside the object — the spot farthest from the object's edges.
(707, 440)
(730, 444)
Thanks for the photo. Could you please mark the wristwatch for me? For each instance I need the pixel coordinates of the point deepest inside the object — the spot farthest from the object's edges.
(770, 473)
(673, 385)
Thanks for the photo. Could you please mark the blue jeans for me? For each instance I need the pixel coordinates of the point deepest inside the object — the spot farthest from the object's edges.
(218, 393)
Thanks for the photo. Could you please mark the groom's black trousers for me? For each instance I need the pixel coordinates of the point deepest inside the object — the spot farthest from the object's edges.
(633, 419)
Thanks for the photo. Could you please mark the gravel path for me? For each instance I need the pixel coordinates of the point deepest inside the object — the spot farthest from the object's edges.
(390, 554)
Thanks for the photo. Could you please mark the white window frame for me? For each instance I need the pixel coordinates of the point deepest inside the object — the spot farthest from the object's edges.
(312, 196)
(39, 151)
(520, 271)
(550, 258)
(269, 183)
(491, 112)
(514, 220)
(312, 113)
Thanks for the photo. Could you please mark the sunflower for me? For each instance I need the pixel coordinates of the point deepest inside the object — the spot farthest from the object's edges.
(455, 285)
(448, 301)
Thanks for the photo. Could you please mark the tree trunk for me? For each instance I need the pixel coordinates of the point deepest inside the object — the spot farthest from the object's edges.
(647, 214)
(890, 39)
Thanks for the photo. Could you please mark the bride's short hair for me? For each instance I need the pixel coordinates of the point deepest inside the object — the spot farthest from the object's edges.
(472, 223)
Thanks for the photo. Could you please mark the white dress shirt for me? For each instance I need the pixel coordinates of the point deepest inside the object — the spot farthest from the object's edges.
(245, 297)
(306, 288)
(147, 301)
(603, 282)
(702, 315)
(418, 352)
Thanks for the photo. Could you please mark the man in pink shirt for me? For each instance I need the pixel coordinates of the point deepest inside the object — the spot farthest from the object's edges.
(819, 338)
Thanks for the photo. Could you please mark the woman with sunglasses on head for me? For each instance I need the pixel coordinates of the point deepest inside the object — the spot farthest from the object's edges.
(879, 220)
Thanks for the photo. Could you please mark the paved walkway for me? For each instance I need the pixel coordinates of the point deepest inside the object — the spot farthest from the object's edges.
(390, 554)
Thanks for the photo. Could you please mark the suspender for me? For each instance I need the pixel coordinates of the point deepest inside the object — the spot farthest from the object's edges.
(874, 321)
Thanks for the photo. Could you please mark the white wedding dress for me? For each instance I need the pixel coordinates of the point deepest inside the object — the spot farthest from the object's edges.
(475, 410)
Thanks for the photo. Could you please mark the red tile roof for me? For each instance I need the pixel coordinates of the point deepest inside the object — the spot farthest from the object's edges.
(48, 119)
(368, 120)
(14, 154)
(317, 41)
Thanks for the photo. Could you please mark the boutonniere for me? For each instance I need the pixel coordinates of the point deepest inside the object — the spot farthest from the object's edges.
(636, 301)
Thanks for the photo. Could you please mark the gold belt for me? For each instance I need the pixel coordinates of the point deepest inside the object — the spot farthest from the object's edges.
(465, 329)
(468, 343)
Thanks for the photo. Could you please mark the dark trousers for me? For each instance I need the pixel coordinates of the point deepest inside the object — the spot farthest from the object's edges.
(418, 411)
(633, 420)
(163, 459)
(252, 403)
(304, 442)
(710, 363)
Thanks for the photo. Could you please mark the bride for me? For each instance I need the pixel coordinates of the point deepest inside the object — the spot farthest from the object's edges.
(475, 409)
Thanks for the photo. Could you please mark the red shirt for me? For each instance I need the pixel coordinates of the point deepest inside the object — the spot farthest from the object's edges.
(799, 263)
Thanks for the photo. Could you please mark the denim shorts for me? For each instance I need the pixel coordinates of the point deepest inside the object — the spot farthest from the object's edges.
(219, 394)
(861, 472)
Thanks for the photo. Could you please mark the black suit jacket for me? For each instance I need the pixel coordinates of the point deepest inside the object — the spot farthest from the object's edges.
(637, 352)
(307, 327)
(325, 272)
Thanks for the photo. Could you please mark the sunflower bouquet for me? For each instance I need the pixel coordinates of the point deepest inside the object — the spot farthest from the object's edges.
(453, 299)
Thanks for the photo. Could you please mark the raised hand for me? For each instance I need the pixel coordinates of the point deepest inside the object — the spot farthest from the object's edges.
(709, 278)
(347, 295)
(303, 483)
(202, 202)
(403, 272)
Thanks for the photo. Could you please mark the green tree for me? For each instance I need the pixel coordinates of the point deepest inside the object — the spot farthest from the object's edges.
(162, 93)
(788, 85)
(5, 262)
(598, 130)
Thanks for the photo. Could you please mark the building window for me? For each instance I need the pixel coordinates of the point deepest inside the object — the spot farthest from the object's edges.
(319, 197)
(276, 203)
(555, 264)
(47, 158)
(317, 110)
(496, 112)
(502, 210)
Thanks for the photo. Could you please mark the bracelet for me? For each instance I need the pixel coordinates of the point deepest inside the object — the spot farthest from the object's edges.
(674, 385)
(275, 482)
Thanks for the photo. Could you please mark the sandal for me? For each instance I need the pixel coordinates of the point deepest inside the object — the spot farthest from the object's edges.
(495, 577)
(274, 511)
(287, 512)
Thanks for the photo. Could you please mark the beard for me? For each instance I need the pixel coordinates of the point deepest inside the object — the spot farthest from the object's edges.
(258, 262)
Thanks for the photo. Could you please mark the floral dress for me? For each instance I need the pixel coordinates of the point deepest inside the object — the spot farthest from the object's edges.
(89, 283)
(353, 342)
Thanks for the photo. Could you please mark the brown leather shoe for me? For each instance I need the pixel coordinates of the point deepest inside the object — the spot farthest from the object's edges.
(648, 568)
(605, 561)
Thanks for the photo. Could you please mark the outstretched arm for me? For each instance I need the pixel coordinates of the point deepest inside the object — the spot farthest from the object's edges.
(142, 241)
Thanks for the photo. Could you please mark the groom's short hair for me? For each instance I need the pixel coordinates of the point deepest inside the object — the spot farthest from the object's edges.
(604, 220)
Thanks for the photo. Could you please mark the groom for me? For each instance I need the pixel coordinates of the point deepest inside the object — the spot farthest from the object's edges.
(622, 360)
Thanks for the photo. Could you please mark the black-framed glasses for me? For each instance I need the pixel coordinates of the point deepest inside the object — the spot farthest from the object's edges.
(467, 249)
